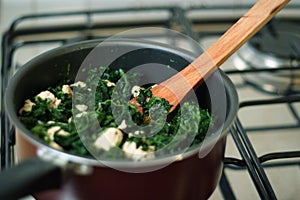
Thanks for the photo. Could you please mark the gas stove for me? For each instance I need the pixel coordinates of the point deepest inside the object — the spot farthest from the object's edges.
(263, 150)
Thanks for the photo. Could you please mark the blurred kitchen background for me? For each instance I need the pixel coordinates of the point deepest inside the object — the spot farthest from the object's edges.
(267, 133)
(10, 9)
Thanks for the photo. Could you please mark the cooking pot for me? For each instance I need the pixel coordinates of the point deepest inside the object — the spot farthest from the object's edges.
(67, 176)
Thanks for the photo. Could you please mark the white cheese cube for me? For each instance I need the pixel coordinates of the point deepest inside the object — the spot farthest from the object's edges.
(123, 125)
(137, 154)
(66, 89)
(27, 106)
(135, 91)
(109, 84)
(81, 107)
(78, 84)
(109, 138)
(48, 95)
(51, 131)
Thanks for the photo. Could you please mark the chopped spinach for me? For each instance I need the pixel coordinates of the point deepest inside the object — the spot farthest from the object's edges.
(175, 134)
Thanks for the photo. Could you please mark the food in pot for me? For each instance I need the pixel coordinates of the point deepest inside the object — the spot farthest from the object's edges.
(50, 117)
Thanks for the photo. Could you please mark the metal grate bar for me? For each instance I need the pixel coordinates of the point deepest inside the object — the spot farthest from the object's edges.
(255, 160)
(246, 157)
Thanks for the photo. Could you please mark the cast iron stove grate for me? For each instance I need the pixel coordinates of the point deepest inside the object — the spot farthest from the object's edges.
(88, 27)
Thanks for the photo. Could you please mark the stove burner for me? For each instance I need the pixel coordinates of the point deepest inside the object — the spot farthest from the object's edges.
(276, 49)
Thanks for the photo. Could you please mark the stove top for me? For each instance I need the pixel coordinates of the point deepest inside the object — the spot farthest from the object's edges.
(266, 114)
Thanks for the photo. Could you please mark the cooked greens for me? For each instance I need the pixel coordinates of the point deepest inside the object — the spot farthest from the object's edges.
(60, 115)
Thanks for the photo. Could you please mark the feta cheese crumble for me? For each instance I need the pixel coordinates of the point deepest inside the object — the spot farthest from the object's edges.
(137, 154)
(27, 106)
(78, 84)
(110, 137)
(135, 91)
(55, 102)
(66, 89)
(109, 84)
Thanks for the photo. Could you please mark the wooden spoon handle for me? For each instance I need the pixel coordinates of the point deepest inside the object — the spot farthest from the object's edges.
(244, 29)
(176, 88)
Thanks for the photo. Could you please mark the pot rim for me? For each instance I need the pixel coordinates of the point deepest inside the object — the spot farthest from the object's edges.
(231, 93)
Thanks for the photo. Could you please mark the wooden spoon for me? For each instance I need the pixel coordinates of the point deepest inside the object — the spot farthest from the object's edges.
(178, 86)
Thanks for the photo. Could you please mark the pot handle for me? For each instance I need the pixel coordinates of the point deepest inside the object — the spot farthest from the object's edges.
(28, 177)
